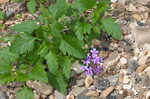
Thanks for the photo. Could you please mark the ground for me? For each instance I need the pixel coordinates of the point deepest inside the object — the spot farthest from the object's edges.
(126, 65)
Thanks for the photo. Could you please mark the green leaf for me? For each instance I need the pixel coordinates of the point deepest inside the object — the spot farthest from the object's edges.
(27, 26)
(36, 70)
(58, 81)
(84, 5)
(6, 57)
(59, 9)
(99, 12)
(82, 28)
(112, 28)
(6, 77)
(66, 48)
(66, 65)
(25, 93)
(23, 43)
(52, 61)
(17, 0)
(2, 15)
(31, 5)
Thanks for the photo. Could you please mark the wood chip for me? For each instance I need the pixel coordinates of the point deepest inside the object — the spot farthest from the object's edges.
(107, 91)
(121, 77)
(141, 68)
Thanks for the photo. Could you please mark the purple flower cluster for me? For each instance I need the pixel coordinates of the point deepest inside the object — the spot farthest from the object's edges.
(92, 63)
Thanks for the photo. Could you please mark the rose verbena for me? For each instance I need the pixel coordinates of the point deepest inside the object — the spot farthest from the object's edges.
(92, 63)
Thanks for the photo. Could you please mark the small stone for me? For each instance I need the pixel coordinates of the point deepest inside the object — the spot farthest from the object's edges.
(76, 67)
(126, 79)
(80, 82)
(113, 1)
(148, 95)
(141, 68)
(82, 97)
(78, 90)
(142, 60)
(127, 87)
(132, 65)
(101, 84)
(40, 87)
(113, 57)
(121, 77)
(113, 79)
(107, 91)
(3, 95)
(92, 93)
(132, 7)
(137, 17)
(88, 81)
(96, 42)
(123, 61)
(70, 96)
(51, 97)
(58, 95)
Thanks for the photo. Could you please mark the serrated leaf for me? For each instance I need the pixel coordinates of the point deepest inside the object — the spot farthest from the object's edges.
(99, 12)
(66, 48)
(84, 5)
(31, 5)
(23, 43)
(112, 28)
(58, 81)
(52, 61)
(66, 65)
(59, 9)
(36, 70)
(82, 28)
(27, 26)
(25, 93)
(6, 57)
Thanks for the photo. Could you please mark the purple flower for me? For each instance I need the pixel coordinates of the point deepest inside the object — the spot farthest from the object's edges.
(89, 71)
(97, 69)
(86, 62)
(84, 68)
(96, 60)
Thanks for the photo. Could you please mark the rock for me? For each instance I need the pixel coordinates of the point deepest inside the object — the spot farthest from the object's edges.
(3, 1)
(70, 96)
(3, 95)
(113, 79)
(132, 65)
(112, 96)
(40, 87)
(147, 94)
(127, 86)
(142, 60)
(58, 95)
(80, 82)
(96, 43)
(92, 93)
(88, 81)
(122, 2)
(76, 67)
(113, 57)
(101, 84)
(140, 34)
(51, 97)
(83, 97)
(123, 61)
(126, 79)
(121, 77)
(137, 17)
(78, 90)
(144, 2)
(141, 68)
(132, 7)
(113, 1)
(107, 91)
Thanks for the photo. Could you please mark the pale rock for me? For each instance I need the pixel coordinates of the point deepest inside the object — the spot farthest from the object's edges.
(123, 61)
(40, 87)
(92, 93)
(132, 7)
(148, 94)
(78, 90)
(113, 58)
(76, 67)
(126, 79)
(147, 69)
(80, 82)
(3, 1)
(96, 42)
(36, 95)
(88, 81)
(144, 2)
(140, 34)
(142, 60)
(58, 95)
(51, 97)
(127, 87)
(122, 2)
(113, 1)
(107, 91)
(70, 96)
(137, 17)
